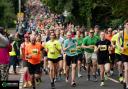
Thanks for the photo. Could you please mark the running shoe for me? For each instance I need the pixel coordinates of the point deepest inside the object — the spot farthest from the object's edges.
(111, 72)
(121, 79)
(102, 84)
(25, 85)
(53, 85)
(29, 83)
(105, 76)
(124, 85)
(66, 80)
(79, 75)
(73, 84)
(88, 78)
(94, 78)
(38, 81)
(46, 72)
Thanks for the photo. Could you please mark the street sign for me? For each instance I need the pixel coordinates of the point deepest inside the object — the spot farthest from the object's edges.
(20, 16)
(9, 84)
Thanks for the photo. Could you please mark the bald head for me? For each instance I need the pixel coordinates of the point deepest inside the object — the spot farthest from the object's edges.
(102, 35)
(33, 39)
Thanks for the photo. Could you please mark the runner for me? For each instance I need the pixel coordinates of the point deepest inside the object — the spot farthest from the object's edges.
(5, 48)
(62, 36)
(53, 48)
(71, 58)
(79, 41)
(13, 57)
(88, 44)
(108, 36)
(60, 66)
(38, 41)
(46, 38)
(33, 55)
(118, 59)
(97, 31)
(23, 47)
(124, 51)
(102, 48)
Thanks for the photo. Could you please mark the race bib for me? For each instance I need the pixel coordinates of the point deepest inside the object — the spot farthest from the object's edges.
(103, 48)
(52, 52)
(72, 51)
(78, 48)
(35, 51)
(127, 44)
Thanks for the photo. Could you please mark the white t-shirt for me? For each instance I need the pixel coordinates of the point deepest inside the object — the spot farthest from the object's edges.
(3, 41)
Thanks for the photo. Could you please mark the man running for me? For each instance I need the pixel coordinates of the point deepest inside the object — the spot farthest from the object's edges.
(53, 48)
(89, 43)
(118, 59)
(71, 58)
(102, 48)
(124, 51)
(33, 55)
(79, 41)
(27, 82)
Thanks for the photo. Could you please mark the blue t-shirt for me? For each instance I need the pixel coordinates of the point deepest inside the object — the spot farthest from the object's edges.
(71, 51)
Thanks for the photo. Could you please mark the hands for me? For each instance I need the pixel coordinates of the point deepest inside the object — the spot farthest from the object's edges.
(78, 47)
(29, 56)
(122, 49)
(68, 46)
(91, 46)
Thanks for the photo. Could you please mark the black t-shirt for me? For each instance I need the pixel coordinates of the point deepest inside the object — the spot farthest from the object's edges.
(103, 50)
(47, 38)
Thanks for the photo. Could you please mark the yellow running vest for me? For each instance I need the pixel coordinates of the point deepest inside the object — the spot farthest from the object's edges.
(12, 53)
(125, 52)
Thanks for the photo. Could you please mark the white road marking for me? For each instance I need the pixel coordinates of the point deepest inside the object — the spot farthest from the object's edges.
(114, 80)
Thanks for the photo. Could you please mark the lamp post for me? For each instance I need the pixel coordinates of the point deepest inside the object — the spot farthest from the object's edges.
(19, 6)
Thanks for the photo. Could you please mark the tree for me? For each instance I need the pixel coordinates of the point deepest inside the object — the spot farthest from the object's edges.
(92, 12)
(7, 13)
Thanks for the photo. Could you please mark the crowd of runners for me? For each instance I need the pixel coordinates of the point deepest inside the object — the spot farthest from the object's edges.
(52, 47)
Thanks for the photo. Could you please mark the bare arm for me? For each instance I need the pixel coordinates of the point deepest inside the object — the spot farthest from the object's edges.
(96, 48)
(90, 46)
(120, 36)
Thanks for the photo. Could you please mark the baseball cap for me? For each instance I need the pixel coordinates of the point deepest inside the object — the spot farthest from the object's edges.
(97, 26)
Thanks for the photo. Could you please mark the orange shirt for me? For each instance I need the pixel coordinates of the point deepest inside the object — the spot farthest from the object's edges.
(35, 52)
(109, 37)
(23, 48)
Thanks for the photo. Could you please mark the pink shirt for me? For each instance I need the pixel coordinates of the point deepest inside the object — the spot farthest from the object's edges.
(4, 55)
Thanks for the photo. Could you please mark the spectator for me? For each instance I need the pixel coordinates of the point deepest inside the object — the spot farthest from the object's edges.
(5, 48)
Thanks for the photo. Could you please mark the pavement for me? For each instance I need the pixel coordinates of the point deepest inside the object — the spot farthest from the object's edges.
(18, 76)
(82, 83)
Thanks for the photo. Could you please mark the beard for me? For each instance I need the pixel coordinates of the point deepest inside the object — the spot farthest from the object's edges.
(33, 42)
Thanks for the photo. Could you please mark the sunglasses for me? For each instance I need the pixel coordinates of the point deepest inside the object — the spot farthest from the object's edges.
(91, 32)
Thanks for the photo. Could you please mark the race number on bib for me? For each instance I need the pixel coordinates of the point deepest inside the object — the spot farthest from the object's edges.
(72, 51)
(103, 48)
(78, 48)
(52, 52)
(35, 51)
(127, 44)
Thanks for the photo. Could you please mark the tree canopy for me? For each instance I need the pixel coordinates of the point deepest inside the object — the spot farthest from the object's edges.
(8, 11)
(92, 12)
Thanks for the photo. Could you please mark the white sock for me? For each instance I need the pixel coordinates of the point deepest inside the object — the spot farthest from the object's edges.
(127, 86)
